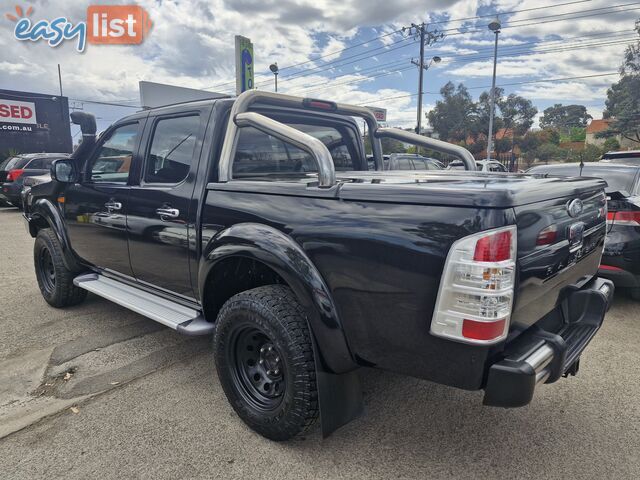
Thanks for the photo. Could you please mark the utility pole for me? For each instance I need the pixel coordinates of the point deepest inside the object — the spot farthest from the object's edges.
(426, 38)
(60, 79)
(494, 26)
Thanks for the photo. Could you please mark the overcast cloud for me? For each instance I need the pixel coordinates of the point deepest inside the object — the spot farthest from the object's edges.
(191, 44)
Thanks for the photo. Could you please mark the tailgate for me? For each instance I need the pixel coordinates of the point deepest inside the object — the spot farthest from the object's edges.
(560, 244)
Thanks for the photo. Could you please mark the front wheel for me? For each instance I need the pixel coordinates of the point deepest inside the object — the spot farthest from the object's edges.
(54, 278)
(264, 358)
(635, 293)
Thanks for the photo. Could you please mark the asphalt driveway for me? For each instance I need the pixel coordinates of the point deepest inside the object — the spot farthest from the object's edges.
(98, 391)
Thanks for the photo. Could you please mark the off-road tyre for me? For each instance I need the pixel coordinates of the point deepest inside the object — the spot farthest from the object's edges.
(54, 279)
(264, 358)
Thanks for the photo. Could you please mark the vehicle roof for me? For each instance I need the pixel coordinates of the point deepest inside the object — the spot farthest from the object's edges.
(41, 155)
(228, 102)
(622, 153)
(585, 166)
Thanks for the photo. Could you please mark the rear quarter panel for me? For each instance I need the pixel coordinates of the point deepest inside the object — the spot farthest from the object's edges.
(382, 263)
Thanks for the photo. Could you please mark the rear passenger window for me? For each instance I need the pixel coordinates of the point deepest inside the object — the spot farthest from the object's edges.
(172, 149)
(258, 153)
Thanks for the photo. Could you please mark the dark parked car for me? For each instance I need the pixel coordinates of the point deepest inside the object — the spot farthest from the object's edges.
(631, 157)
(621, 257)
(14, 170)
(257, 219)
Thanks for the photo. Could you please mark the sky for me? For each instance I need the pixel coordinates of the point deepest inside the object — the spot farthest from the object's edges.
(191, 44)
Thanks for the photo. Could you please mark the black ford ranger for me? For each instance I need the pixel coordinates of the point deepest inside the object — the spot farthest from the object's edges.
(256, 219)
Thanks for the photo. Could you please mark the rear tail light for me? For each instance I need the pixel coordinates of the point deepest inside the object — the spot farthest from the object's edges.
(629, 218)
(14, 174)
(319, 104)
(475, 298)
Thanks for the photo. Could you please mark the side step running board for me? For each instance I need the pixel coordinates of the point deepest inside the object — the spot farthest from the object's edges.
(182, 319)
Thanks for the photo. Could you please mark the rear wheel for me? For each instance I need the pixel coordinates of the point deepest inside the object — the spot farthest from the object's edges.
(634, 293)
(264, 359)
(54, 279)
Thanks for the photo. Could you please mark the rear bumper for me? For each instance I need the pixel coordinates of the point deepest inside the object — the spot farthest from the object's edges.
(539, 356)
(619, 276)
(10, 191)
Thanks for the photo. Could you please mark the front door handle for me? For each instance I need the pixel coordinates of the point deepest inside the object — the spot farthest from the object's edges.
(111, 205)
(167, 212)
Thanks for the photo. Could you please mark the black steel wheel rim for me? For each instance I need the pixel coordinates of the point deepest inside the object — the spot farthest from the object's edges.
(258, 368)
(46, 270)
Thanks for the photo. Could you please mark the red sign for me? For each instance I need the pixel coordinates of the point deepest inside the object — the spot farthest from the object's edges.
(12, 111)
(117, 24)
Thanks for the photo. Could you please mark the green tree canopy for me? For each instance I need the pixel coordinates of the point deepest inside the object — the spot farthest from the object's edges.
(454, 115)
(517, 113)
(564, 117)
(623, 98)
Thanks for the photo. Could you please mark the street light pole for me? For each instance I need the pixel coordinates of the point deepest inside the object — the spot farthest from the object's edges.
(421, 74)
(494, 26)
(274, 68)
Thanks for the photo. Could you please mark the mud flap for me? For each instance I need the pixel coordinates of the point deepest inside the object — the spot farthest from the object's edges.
(339, 396)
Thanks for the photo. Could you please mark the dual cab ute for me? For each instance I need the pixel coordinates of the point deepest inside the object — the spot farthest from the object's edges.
(256, 219)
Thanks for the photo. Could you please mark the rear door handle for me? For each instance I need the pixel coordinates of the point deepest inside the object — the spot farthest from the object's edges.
(166, 212)
(111, 205)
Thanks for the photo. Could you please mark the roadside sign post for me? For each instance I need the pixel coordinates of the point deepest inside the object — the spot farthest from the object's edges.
(244, 64)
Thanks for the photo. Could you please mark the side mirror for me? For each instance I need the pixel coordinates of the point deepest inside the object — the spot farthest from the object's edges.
(64, 171)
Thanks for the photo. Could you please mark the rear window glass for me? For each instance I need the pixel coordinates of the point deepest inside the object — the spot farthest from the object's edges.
(41, 163)
(619, 180)
(14, 162)
(258, 153)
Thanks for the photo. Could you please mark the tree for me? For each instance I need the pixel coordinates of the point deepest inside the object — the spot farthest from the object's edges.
(389, 145)
(611, 144)
(623, 108)
(563, 117)
(480, 126)
(549, 151)
(517, 113)
(453, 116)
(631, 65)
(623, 98)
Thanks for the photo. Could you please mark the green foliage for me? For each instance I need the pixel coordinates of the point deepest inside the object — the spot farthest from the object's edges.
(389, 145)
(503, 145)
(550, 151)
(623, 106)
(517, 113)
(611, 144)
(591, 153)
(452, 116)
(564, 117)
(11, 152)
(623, 98)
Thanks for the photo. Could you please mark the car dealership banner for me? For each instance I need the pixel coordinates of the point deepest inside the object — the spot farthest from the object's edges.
(379, 113)
(33, 122)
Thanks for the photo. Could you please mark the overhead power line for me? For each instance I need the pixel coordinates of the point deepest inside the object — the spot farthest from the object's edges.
(330, 54)
(461, 59)
(546, 7)
(381, 99)
(337, 64)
